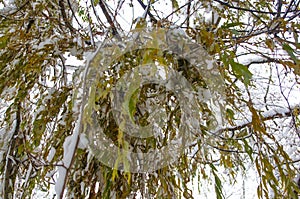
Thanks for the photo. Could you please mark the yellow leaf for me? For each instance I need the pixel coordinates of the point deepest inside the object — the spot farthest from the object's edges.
(114, 174)
(270, 44)
(256, 121)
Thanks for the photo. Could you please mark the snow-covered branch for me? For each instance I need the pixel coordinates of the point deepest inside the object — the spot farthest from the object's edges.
(265, 116)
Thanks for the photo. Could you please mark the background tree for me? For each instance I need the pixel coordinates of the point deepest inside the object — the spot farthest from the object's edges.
(256, 47)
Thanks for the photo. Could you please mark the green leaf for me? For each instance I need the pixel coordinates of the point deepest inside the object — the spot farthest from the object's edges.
(218, 182)
(3, 41)
(290, 51)
(235, 32)
(248, 149)
(230, 113)
(174, 4)
(132, 103)
(241, 72)
(230, 25)
(218, 187)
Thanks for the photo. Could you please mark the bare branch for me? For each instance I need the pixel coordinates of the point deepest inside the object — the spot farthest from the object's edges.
(109, 19)
(64, 16)
(152, 18)
(96, 14)
(188, 15)
(190, 1)
(279, 5)
(288, 103)
(73, 13)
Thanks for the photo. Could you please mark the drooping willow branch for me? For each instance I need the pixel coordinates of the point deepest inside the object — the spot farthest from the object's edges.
(9, 174)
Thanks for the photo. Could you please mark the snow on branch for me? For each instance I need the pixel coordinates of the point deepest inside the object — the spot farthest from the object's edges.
(265, 116)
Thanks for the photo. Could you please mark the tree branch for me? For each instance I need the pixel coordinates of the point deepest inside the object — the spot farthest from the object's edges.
(64, 16)
(249, 10)
(270, 115)
(190, 1)
(9, 174)
(73, 14)
(15, 11)
(188, 15)
(152, 18)
(109, 19)
(279, 5)
(264, 61)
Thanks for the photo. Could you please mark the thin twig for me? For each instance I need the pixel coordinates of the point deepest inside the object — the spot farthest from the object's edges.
(73, 14)
(96, 14)
(288, 103)
(190, 1)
